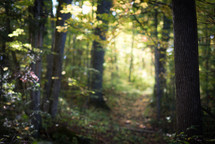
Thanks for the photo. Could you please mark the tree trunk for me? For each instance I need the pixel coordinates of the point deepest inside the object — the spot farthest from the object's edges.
(49, 59)
(132, 56)
(36, 30)
(158, 90)
(74, 42)
(60, 39)
(188, 105)
(162, 51)
(4, 59)
(98, 52)
(160, 62)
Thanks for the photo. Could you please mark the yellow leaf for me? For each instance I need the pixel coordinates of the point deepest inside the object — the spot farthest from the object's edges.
(128, 121)
(144, 5)
(142, 126)
(137, 1)
(17, 32)
(138, 12)
(55, 77)
(8, 103)
(5, 68)
(26, 128)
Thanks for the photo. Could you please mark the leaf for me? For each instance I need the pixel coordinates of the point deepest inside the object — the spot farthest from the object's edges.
(25, 117)
(18, 137)
(35, 142)
(26, 128)
(137, 1)
(8, 103)
(5, 68)
(144, 5)
(54, 78)
(17, 32)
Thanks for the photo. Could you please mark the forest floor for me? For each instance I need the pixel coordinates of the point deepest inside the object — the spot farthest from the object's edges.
(132, 114)
(126, 123)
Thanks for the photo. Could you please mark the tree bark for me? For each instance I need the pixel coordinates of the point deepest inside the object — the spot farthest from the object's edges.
(98, 52)
(158, 90)
(188, 105)
(36, 31)
(60, 39)
(47, 91)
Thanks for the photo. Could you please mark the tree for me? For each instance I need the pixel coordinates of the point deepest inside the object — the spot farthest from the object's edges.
(36, 35)
(49, 59)
(158, 91)
(131, 52)
(98, 51)
(59, 43)
(188, 105)
(161, 64)
(3, 39)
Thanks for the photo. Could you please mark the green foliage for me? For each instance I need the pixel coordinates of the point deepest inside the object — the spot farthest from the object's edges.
(17, 32)
(15, 124)
(182, 138)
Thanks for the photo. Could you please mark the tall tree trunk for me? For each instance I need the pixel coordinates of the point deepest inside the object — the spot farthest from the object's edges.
(162, 51)
(158, 90)
(49, 59)
(88, 65)
(132, 56)
(4, 59)
(114, 62)
(36, 30)
(188, 105)
(37, 27)
(98, 52)
(161, 65)
(60, 39)
(74, 42)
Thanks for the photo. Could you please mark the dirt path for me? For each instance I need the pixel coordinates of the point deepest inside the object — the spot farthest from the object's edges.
(130, 114)
(130, 111)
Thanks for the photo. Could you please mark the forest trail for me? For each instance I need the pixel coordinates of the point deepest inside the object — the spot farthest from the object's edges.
(126, 123)
(130, 112)
(131, 115)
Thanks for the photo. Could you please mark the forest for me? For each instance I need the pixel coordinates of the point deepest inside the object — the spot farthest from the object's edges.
(107, 71)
